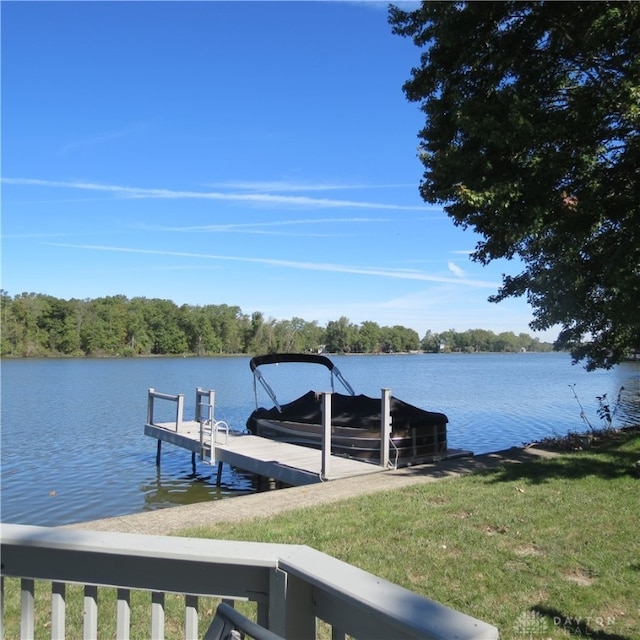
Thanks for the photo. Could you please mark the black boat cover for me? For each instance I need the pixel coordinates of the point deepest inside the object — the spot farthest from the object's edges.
(360, 412)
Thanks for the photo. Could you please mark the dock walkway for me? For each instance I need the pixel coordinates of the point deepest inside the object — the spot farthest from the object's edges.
(283, 462)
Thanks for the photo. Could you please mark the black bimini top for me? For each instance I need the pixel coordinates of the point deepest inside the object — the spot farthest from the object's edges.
(275, 358)
(305, 358)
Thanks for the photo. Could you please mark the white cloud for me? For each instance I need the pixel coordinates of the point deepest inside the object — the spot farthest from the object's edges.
(456, 270)
(271, 227)
(286, 185)
(101, 138)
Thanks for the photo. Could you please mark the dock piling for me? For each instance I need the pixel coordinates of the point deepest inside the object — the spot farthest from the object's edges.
(326, 436)
(385, 427)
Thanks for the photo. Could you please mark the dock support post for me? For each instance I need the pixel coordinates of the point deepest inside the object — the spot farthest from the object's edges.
(385, 428)
(326, 434)
(193, 462)
(219, 476)
(158, 452)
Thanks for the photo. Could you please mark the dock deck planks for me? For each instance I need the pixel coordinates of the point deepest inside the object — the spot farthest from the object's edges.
(288, 463)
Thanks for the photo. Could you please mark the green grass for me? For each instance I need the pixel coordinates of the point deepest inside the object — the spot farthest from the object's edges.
(546, 549)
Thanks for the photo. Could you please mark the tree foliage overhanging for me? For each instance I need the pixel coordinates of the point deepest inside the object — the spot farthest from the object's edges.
(38, 325)
(532, 139)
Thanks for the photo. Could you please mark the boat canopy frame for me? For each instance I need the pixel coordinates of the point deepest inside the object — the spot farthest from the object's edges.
(304, 358)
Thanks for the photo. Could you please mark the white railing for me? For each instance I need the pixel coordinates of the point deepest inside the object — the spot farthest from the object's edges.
(209, 426)
(204, 416)
(385, 432)
(294, 586)
(178, 398)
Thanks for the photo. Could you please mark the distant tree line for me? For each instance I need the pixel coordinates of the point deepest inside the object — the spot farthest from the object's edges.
(37, 325)
(481, 340)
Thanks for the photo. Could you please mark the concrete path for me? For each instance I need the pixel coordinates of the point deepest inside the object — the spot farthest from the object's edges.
(270, 503)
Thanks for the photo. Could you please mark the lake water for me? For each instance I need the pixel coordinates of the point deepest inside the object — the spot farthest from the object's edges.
(73, 447)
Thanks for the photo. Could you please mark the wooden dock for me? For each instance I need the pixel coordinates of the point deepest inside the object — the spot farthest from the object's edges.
(291, 464)
(283, 462)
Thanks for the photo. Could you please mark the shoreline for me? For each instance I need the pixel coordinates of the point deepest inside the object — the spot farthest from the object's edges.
(172, 520)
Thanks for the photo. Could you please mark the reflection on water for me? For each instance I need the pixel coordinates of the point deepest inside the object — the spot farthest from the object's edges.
(73, 447)
(196, 487)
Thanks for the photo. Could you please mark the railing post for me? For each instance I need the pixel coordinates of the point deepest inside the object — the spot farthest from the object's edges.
(300, 618)
(276, 619)
(212, 404)
(179, 411)
(150, 406)
(210, 395)
(385, 428)
(199, 393)
(212, 424)
(326, 434)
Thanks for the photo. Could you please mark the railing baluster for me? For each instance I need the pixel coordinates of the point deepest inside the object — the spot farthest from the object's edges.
(157, 615)
(27, 613)
(191, 617)
(2, 607)
(90, 627)
(58, 610)
(123, 614)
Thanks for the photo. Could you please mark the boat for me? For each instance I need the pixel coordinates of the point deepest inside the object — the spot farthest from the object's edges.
(417, 435)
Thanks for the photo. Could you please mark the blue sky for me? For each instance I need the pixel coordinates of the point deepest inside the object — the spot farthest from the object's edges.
(259, 154)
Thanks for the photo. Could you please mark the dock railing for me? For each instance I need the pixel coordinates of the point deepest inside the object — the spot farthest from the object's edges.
(295, 589)
(205, 409)
(385, 432)
(178, 398)
(204, 417)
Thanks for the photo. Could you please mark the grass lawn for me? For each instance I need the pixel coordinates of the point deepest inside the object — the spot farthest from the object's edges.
(547, 549)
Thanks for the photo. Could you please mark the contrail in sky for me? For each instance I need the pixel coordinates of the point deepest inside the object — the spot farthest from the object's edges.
(250, 198)
(404, 274)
